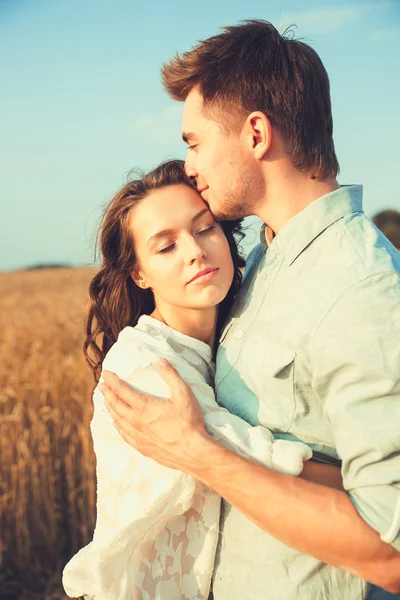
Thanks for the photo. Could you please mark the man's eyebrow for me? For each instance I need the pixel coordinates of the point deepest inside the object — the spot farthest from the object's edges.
(188, 136)
(165, 232)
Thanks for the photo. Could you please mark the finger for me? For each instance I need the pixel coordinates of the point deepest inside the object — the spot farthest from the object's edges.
(123, 426)
(114, 402)
(172, 378)
(123, 390)
(130, 435)
(126, 435)
(117, 413)
(109, 396)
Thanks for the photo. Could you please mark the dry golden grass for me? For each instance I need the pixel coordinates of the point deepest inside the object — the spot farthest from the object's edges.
(47, 484)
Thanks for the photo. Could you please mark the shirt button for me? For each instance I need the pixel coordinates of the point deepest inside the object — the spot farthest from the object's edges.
(239, 333)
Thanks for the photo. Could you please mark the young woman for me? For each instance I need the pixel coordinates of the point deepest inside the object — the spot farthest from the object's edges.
(169, 273)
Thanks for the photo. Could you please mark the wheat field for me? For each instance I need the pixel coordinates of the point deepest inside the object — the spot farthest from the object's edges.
(47, 483)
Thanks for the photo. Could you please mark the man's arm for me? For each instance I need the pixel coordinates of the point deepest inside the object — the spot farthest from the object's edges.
(355, 366)
(312, 518)
(309, 517)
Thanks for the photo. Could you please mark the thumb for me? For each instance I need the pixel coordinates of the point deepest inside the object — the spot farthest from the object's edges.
(171, 376)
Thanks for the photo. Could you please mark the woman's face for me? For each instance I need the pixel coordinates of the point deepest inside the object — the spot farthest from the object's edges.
(176, 238)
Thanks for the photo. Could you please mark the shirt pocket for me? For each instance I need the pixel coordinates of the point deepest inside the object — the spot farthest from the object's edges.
(268, 370)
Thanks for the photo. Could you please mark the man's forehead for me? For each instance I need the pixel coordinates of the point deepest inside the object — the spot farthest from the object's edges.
(194, 101)
(192, 111)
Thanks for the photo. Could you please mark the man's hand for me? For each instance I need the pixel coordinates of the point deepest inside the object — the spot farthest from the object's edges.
(170, 431)
(312, 518)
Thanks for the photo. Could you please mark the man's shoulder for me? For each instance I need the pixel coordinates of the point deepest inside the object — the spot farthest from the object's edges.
(372, 251)
(350, 251)
(358, 271)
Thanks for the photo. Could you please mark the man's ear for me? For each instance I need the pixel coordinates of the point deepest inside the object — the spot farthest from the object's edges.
(259, 130)
(139, 279)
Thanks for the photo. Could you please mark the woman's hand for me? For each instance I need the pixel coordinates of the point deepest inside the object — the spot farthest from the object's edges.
(170, 431)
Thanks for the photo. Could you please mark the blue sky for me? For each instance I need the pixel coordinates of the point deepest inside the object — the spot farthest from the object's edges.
(82, 104)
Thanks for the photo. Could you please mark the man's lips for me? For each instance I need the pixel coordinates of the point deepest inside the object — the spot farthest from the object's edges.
(201, 190)
(204, 275)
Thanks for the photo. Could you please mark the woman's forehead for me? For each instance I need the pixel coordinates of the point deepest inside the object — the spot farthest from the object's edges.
(170, 207)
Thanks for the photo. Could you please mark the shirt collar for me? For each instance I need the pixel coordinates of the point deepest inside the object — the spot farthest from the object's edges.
(304, 227)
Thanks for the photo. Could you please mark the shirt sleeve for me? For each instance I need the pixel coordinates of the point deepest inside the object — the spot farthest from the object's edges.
(256, 443)
(137, 498)
(355, 365)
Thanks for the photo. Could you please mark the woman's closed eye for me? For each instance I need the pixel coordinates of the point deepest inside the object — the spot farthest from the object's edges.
(167, 249)
(173, 245)
(207, 230)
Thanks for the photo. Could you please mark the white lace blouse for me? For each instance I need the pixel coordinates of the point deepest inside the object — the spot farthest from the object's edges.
(157, 528)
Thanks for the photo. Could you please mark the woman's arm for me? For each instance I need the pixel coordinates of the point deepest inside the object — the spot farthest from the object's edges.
(323, 474)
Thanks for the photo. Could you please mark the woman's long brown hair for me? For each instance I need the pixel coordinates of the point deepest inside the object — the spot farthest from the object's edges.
(115, 300)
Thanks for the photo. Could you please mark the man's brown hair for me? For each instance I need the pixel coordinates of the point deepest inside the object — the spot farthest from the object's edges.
(250, 67)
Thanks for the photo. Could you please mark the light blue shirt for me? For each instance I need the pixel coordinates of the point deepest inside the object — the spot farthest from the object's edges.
(312, 351)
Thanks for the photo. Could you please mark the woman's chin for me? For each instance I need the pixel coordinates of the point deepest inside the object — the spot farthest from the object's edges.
(212, 298)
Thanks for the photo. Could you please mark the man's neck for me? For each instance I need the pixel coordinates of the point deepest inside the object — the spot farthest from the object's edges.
(288, 196)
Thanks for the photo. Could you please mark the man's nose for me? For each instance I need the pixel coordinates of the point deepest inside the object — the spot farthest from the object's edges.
(190, 169)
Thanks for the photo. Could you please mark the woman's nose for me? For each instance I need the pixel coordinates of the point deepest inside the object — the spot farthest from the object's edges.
(195, 251)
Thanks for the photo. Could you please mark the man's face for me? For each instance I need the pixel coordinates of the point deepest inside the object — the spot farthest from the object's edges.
(222, 163)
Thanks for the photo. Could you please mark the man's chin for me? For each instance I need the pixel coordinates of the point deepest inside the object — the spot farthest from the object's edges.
(233, 212)
(228, 216)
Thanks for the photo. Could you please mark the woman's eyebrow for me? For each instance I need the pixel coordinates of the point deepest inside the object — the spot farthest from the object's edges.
(165, 232)
(200, 214)
(159, 235)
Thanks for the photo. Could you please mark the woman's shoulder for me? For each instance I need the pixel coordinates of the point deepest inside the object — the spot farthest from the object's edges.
(134, 348)
(140, 347)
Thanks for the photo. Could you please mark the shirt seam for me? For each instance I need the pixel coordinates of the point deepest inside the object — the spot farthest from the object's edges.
(330, 308)
(350, 238)
(394, 528)
(336, 300)
(331, 218)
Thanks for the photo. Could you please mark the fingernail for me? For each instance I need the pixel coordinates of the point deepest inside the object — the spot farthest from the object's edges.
(163, 362)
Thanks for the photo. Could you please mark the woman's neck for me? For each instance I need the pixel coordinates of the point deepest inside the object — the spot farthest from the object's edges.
(196, 323)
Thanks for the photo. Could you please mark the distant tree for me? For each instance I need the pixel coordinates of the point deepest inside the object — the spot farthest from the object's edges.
(388, 221)
(47, 266)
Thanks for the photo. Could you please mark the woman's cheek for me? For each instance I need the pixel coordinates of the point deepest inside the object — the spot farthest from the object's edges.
(168, 272)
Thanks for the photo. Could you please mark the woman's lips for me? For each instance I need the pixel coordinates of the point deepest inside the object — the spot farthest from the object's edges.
(206, 277)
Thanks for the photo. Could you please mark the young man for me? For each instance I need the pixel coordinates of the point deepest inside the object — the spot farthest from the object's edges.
(312, 347)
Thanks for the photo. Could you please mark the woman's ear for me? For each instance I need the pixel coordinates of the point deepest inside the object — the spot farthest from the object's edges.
(138, 278)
